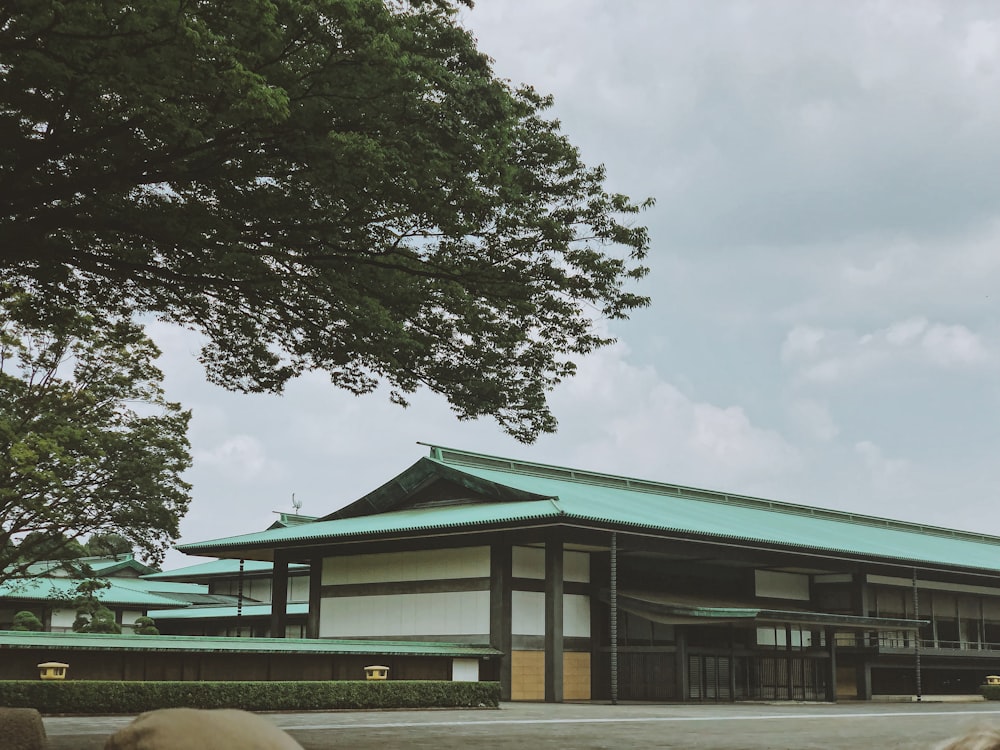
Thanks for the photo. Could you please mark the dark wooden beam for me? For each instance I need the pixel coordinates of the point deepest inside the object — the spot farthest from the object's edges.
(315, 597)
(554, 620)
(279, 595)
(501, 611)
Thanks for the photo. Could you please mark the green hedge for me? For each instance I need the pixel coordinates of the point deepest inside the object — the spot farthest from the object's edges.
(990, 692)
(106, 697)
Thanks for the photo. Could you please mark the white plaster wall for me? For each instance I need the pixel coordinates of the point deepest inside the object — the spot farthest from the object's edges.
(576, 567)
(576, 615)
(129, 617)
(62, 619)
(253, 588)
(528, 614)
(260, 589)
(465, 670)
(467, 562)
(443, 613)
(529, 562)
(774, 585)
(298, 589)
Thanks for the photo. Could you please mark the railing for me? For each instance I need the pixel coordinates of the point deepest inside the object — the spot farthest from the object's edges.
(895, 641)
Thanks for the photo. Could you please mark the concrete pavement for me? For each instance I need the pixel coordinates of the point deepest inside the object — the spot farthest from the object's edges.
(813, 726)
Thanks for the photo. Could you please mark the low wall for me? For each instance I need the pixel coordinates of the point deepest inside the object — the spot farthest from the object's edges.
(145, 665)
(179, 658)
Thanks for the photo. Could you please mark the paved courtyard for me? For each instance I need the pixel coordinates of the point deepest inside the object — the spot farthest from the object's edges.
(534, 725)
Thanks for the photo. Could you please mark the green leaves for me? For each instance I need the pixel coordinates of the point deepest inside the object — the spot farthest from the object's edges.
(341, 185)
(88, 443)
(91, 615)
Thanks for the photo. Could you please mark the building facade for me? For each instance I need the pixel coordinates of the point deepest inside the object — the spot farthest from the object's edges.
(592, 586)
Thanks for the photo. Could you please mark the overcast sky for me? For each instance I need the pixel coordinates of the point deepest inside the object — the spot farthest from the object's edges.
(825, 266)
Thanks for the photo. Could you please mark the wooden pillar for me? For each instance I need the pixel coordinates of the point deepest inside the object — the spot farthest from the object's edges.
(831, 647)
(865, 681)
(681, 663)
(501, 611)
(279, 595)
(859, 604)
(613, 620)
(553, 621)
(732, 663)
(789, 661)
(315, 598)
(600, 626)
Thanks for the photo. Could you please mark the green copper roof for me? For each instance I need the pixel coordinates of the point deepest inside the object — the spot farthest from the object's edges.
(228, 612)
(104, 565)
(464, 516)
(658, 608)
(181, 643)
(41, 589)
(161, 587)
(217, 568)
(573, 496)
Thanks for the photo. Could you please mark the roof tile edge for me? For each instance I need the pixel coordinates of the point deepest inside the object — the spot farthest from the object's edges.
(457, 457)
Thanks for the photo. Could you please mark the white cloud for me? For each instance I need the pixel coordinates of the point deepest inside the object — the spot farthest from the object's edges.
(814, 419)
(876, 273)
(616, 411)
(979, 55)
(803, 342)
(954, 346)
(881, 468)
(905, 332)
(831, 356)
(239, 458)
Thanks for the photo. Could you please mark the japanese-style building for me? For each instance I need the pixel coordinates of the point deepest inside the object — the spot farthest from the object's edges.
(601, 587)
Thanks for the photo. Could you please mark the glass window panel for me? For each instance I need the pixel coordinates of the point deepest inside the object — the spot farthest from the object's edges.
(766, 637)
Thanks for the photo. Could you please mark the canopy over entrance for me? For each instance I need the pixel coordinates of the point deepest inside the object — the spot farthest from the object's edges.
(676, 610)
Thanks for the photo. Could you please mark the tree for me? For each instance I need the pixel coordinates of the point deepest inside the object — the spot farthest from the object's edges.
(107, 544)
(91, 615)
(26, 621)
(51, 545)
(88, 442)
(145, 626)
(334, 185)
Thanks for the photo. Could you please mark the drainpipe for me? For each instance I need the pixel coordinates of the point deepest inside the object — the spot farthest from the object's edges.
(614, 618)
(239, 599)
(916, 640)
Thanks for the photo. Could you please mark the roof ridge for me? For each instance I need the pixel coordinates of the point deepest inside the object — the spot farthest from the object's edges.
(458, 457)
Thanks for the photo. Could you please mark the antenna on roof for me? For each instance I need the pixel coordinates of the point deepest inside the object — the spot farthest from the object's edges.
(297, 504)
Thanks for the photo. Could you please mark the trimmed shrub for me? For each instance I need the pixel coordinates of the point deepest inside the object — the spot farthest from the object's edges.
(145, 626)
(107, 697)
(25, 621)
(990, 692)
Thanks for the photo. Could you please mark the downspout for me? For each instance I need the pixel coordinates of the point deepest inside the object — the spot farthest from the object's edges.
(916, 639)
(614, 618)
(239, 598)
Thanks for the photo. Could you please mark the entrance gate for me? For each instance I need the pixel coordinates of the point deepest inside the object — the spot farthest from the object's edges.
(722, 677)
(713, 677)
